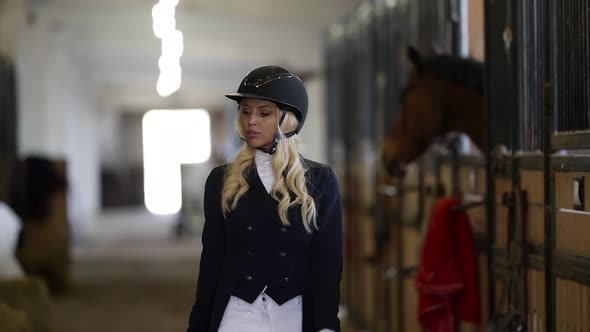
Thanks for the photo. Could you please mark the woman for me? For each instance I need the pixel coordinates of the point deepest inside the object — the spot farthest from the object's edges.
(272, 240)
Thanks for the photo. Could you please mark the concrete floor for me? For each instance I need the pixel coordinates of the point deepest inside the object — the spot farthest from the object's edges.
(130, 274)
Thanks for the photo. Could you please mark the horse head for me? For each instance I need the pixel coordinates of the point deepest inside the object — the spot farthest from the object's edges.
(419, 120)
(431, 104)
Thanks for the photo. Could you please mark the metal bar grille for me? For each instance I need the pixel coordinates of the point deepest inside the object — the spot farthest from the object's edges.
(498, 75)
(334, 85)
(434, 32)
(530, 76)
(572, 59)
(515, 73)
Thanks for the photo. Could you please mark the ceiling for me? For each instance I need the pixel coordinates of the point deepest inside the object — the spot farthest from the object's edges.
(223, 40)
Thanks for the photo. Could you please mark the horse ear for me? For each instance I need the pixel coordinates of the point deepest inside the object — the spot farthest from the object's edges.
(415, 58)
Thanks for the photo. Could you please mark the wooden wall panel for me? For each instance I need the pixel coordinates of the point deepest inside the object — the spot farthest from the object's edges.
(532, 182)
(540, 300)
(571, 306)
(585, 309)
(572, 231)
(410, 306)
(410, 206)
(478, 219)
(368, 295)
(412, 246)
(483, 289)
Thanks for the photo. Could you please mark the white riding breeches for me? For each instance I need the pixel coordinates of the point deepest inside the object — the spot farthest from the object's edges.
(264, 315)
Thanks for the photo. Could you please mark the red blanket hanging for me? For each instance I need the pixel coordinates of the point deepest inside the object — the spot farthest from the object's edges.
(447, 279)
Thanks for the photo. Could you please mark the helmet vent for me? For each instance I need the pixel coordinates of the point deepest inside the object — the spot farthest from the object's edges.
(257, 82)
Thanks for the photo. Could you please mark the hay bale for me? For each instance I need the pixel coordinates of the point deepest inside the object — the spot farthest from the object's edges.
(32, 298)
(13, 320)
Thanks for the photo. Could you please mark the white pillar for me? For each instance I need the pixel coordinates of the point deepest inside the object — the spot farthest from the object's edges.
(57, 114)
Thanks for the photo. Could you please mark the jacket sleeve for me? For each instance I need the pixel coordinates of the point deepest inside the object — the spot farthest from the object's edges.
(326, 257)
(212, 256)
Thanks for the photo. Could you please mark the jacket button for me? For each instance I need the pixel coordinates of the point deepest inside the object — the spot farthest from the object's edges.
(282, 254)
(248, 278)
(283, 229)
(286, 279)
(249, 228)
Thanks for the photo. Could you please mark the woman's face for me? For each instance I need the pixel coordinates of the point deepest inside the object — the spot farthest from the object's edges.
(258, 119)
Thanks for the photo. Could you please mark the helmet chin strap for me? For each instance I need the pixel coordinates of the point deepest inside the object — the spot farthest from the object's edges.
(276, 138)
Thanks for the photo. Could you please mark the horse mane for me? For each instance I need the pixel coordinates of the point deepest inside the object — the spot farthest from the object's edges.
(463, 71)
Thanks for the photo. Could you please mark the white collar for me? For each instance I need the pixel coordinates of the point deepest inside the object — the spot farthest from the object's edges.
(264, 168)
(262, 158)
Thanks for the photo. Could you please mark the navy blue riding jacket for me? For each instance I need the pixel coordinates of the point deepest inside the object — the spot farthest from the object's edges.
(250, 248)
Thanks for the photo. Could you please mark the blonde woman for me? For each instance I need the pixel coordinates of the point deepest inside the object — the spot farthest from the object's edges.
(272, 241)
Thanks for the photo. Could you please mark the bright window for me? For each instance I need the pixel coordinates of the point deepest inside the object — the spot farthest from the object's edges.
(171, 138)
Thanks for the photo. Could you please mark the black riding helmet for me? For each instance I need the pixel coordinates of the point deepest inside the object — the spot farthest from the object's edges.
(278, 85)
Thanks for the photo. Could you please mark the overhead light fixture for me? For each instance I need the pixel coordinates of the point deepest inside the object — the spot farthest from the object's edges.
(172, 138)
(164, 26)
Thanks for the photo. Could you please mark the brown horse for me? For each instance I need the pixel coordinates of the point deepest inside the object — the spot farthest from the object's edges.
(443, 94)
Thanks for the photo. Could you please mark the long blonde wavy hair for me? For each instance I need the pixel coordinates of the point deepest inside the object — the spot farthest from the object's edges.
(286, 158)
